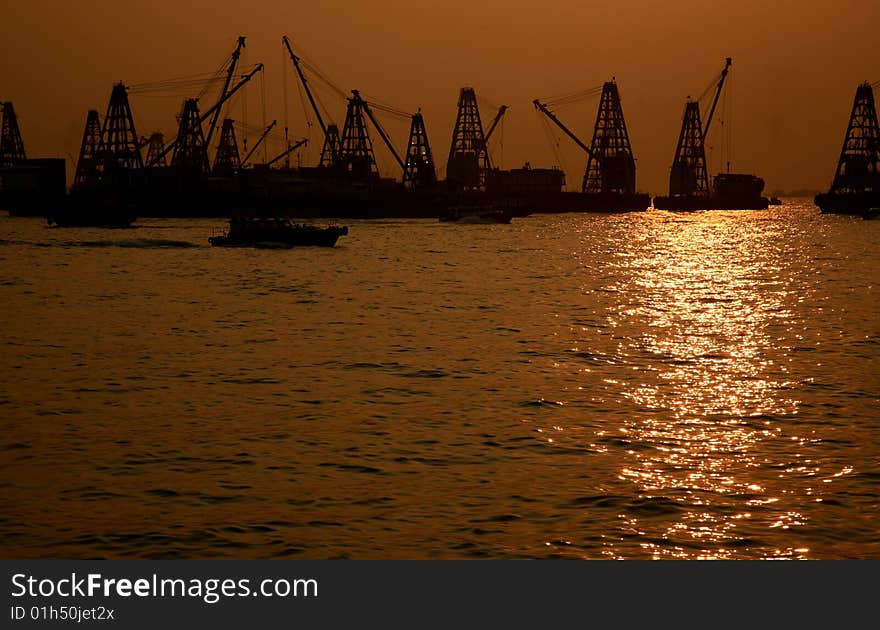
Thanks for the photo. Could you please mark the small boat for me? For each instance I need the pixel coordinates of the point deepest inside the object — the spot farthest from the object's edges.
(870, 213)
(477, 213)
(775, 201)
(276, 232)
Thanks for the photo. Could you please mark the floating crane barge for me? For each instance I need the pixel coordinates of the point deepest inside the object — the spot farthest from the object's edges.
(114, 182)
(856, 185)
(688, 180)
(609, 183)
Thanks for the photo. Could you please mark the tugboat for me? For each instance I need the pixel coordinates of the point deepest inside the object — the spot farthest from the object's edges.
(276, 232)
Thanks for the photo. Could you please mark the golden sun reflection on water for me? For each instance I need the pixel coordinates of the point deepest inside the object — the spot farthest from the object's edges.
(709, 297)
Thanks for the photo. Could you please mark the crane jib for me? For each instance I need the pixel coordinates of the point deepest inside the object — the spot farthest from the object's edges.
(543, 109)
(727, 64)
(229, 74)
(309, 95)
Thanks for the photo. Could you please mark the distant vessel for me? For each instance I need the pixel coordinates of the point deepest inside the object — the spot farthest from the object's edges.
(276, 232)
(856, 185)
(689, 181)
(485, 213)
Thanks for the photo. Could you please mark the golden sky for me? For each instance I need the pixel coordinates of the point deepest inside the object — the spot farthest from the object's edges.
(796, 65)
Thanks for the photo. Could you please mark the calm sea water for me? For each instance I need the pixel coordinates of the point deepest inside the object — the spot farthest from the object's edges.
(651, 385)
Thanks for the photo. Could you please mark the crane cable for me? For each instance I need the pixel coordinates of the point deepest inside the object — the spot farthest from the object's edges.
(553, 140)
(219, 75)
(286, 107)
(500, 143)
(713, 85)
(175, 85)
(725, 118)
(316, 71)
(228, 106)
(306, 109)
(386, 109)
(482, 100)
(244, 116)
(263, 111)
(572, 97)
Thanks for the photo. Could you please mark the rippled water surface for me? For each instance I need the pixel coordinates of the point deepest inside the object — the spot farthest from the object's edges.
(651, 385)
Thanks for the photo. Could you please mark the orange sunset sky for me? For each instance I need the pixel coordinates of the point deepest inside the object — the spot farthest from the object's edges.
(795, 69)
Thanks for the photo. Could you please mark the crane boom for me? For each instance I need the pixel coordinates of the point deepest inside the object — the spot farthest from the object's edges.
(382, 133)
(258, 142)
(242, 82)
(229, 74)
(717, 95)
(287, 151)
(501, 111)
(305, 83)
(543, 109)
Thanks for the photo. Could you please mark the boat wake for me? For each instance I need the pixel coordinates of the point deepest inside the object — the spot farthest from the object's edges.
(139, 243)
(136, 243)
